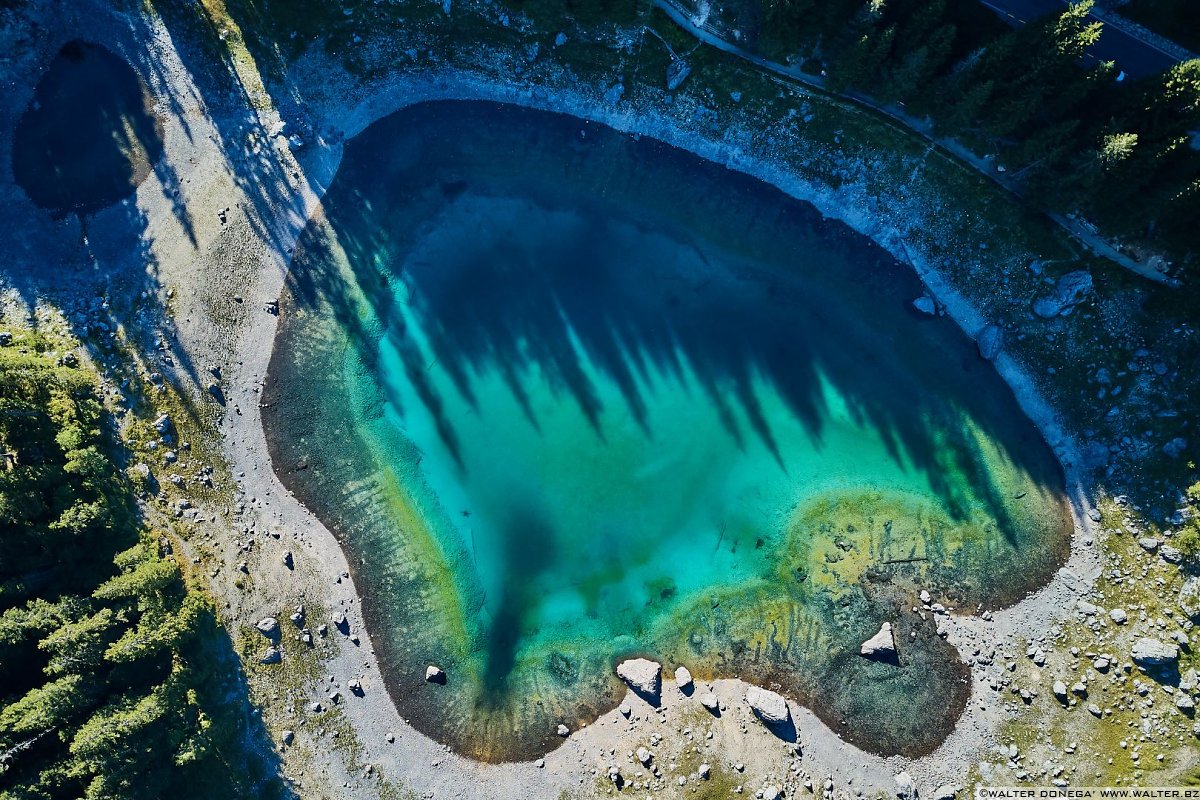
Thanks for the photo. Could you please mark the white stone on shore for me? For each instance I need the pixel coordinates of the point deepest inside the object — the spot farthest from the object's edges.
(1153, 653)
(709, 701)
(642, 675)
(683, 678)
(563, 730)
(881, 645)
(772, 793)
(770, 707)
(644, 756)
(1060, 690)
(905, 788)
(946, 792)
(625, 709)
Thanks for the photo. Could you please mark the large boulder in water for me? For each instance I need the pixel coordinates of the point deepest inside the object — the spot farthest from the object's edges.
(881, 646)
(643, 675)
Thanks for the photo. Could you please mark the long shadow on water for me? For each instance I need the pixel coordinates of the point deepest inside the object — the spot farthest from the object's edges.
(840, 317)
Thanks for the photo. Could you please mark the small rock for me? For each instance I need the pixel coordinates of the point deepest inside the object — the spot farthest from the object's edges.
(625, 710)
(288, 737)
(563, 730)
(434, 674)
(272, 655)
(683, 678)
(946, 792)
(1060, 690)
(704, 771)
(771, 793)
(560, 39)
(905, 788)
(710, 702)
(1118, 616)
(268, 626)
(1184, 703)
(1148, 543)
(644, 756)
(287, 560)
(1095, 710)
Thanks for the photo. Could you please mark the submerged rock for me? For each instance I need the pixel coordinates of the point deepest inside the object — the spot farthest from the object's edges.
(1149, 652)
(1069, 291)
(643, 675)
(925, 305)
(769, 706)
(881, 646)
(435, 674)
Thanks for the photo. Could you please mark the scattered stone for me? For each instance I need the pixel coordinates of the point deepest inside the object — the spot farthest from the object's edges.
(643, 675)
(770, 707)
(288, 737)
(644, 756)
(163, 424)
(881, 646)
(1095, 710)
(563, 730)
(1154, 653)
(288, 561)
(1175, 447)
(1118, 616)
(434, 674)
(560, 39)
(272, 655)
(710, 702)
(946, 792)
(268, 626)
(683, 678)
(355, 688)
(1148, 543)
(625, 710)
(540, 763)
(771, 793)
(990, 341)
(704, 771)
(1060, 690)
(1172, 555)
(1185, 703)
(614, 93)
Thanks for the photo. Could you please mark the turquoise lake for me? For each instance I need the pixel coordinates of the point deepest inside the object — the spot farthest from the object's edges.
(565, 396)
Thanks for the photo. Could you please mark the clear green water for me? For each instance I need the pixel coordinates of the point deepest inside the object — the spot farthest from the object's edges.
(570, 397)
